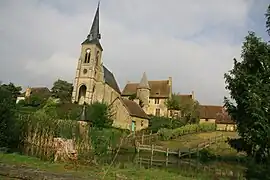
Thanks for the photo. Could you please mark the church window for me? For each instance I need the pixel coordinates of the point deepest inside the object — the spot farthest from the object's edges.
(87, 56)
(157, 112)
(97, 56)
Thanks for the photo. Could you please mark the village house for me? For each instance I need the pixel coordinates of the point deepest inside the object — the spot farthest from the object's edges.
(42, 92)
(217, 115)
(96, 83)
(150, 95)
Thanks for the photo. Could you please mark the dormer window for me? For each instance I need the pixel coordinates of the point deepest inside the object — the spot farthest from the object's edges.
(87, 56)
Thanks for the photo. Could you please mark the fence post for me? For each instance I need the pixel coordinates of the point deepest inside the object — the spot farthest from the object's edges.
(167, 156)
(198, 151)
(143, 138)
(140, 162)
(152, 154)
(189, 153)
(179, 153)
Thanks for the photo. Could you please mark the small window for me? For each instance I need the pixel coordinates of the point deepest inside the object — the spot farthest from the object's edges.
(156, 101)
(206, 119)
(97, 57)
(171, 113)
(157, 112)
(142, 123)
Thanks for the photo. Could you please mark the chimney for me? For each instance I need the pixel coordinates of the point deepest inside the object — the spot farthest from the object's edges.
(192, 95)
(170, 84)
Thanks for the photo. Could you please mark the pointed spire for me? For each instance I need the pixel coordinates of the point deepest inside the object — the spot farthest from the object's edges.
(94, 32)
(144, 82)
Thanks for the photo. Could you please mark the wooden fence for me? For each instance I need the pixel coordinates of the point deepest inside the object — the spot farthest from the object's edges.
(180, 152)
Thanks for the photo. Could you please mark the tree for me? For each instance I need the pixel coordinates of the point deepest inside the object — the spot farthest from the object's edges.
(267, 15)
(173, 102)
(100, 115)
(62, 90)
(248, 84)
(14, 90)
(132, 96)
(190, 111)
(7, 119)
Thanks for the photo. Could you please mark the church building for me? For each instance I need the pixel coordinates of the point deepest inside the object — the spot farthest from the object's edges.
(94, 82)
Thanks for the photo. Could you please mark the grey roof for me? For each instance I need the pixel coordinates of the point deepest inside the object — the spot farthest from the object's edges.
(144, 82)
(110, 80)
(94, 35)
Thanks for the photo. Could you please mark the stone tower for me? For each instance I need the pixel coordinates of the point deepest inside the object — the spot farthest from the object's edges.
(143, 91)
(89, 72)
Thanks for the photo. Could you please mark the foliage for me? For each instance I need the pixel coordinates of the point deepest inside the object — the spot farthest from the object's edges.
(63, 90)
(35, 100)
(68, 111)
(132, 96)
(167, 134)
(267, 15)
(100, 115)
(14, 90)
(21, 103)
(188, 108)
(9, 126)
(158, 122)
(173, 102)
(249, 84)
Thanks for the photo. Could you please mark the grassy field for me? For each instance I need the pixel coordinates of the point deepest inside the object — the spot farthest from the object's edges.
(192, 140)
(96, 172)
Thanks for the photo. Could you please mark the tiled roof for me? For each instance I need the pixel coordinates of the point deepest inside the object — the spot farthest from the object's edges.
(157, 88)
(184, 98)
(134, 109)
(110, 80)
(209, 112)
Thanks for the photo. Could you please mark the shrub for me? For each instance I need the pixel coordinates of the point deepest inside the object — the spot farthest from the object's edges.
(187, 129)
(156, 123)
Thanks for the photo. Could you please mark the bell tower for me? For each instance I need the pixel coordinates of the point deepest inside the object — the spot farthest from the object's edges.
(89, 70)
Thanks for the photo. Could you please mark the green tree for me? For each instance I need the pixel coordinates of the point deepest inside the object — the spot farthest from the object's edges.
(100, 115)
(173, 102)
(7, 119)
(249, 84)
(267, 15)
(62, 90)
(132, 96)
(14, 90)
(190, 111)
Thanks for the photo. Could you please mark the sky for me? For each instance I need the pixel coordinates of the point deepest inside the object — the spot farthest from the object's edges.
(192, 41)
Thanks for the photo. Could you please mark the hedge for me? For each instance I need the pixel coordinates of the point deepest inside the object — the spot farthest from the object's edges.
(167, 134)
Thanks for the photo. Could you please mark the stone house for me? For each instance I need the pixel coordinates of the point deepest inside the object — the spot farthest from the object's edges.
(217, 115)
(95, 82)
(151, 95)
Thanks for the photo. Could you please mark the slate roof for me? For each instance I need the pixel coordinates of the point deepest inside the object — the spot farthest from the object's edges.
(157, 89)
(134, 109)
(144, 82)
(110, 80)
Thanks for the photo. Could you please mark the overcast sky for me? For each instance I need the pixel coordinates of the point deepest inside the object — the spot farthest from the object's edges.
(193, 41)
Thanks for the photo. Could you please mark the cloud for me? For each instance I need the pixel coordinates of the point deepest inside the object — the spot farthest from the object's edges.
(192, 41)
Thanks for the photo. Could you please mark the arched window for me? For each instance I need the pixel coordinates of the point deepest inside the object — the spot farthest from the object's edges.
(87, 56)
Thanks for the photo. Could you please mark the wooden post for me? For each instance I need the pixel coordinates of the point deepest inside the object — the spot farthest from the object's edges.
(167, 157)
(140, 159)
(189, 153)
(143, 138)
(179, 153)
(152, 154)
(198, 152)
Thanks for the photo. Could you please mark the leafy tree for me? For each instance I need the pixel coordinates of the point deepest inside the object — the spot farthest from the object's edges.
(249, 84)
(62, 90)
(14, 90)
(100, 115)
(173, 102)
(7, 119)
(267, 15)
(190, 111)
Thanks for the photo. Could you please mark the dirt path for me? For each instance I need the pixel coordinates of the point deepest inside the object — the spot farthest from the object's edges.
(25, 173)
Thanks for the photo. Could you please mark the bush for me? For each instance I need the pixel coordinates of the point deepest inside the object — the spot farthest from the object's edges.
(167, 134)
(156, 123)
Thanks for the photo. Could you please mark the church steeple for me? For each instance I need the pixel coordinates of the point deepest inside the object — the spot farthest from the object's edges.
(94, 32)
(94, 35)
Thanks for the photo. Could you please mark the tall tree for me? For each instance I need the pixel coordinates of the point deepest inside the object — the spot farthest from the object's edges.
(267, 15)
(249, 103)
(63, 90)
(14, 90)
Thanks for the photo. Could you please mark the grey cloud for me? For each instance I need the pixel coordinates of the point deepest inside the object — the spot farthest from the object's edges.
(192, 41)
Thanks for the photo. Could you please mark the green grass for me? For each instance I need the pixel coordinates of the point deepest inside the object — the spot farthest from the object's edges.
(130, 171)
(192, 140)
